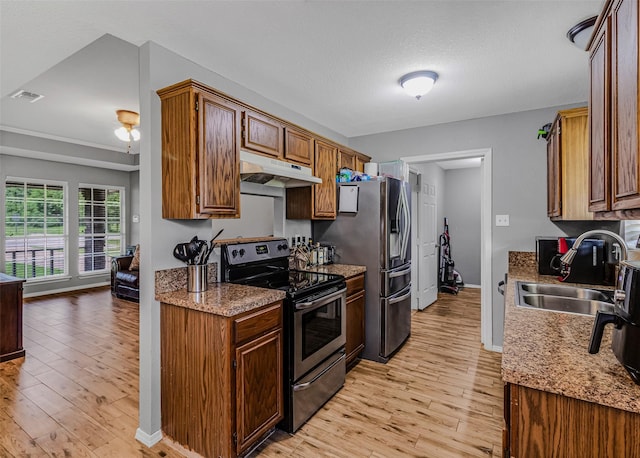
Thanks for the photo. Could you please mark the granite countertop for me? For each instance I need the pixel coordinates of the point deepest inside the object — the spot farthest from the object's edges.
(548, 351)
(346, 270)
(226, 299)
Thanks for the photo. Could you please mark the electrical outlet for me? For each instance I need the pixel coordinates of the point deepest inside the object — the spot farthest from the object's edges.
(502, 220)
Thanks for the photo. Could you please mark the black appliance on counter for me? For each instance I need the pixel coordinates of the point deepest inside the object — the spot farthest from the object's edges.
(314, 323)
(589, 265)
(626, 319)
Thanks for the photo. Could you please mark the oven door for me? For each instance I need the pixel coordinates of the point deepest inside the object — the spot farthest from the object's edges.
(319, 330)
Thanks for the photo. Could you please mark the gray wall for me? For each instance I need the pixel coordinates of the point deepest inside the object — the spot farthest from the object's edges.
(518, 173)
(73, 175)
(134, 208)
(462, 206)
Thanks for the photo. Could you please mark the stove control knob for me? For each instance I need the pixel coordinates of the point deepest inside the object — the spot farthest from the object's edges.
(241, 252)
(282, 247)
(234, 253)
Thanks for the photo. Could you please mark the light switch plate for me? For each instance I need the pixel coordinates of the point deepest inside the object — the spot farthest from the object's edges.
(502, 220)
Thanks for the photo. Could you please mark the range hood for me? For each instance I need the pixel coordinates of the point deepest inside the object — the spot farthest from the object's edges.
(272, 172)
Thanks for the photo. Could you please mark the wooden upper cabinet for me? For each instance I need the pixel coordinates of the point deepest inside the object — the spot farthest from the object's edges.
(200, 153)
(361, 160)
(613, 104)
(298, 146)
(262, 134)
(625, 116)
(599, 125)
(324, 201)
(346, 158)
(219, 174)
(317, 201)
(568, 166)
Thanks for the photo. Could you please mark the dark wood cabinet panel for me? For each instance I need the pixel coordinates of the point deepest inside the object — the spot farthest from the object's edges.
(626, 119)
(298, 146)
(599, 122)
(262, 134)
(10, 317)
(219, 398)
(259, 388)
(540, 423)
(355, 319)
(613, 101)
(218, 161)
(319, 200)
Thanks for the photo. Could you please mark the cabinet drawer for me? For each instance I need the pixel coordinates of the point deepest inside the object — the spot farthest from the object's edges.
(257, 323)
(355, 284)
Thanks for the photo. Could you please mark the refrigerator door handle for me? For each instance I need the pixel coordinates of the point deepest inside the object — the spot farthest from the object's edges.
(407, 221)
(400, 298)
(400, 273)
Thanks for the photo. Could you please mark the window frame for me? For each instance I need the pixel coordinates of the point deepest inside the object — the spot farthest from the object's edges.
(25, 181)
(123, 226)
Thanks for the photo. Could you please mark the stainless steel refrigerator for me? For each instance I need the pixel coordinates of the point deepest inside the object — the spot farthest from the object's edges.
(373, 228)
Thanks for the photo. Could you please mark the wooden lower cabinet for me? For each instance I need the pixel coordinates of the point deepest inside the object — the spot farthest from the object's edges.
(221, 378)
(10, 317)
(543, 424)
(355, 319)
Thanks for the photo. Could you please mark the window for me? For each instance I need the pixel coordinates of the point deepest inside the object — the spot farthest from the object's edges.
(101, 226)
(36, 234)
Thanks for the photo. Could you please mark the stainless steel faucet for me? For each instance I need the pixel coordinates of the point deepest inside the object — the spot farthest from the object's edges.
(569, 255)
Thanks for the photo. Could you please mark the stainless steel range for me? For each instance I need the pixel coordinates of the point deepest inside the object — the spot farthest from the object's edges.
(314, 323)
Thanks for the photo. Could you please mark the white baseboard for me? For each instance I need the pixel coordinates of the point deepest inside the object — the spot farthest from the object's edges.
(468, 285)
(66, 290)
(148, 439)
(496, 348)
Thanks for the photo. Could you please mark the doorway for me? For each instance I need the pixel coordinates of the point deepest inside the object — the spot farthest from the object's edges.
(486, 334)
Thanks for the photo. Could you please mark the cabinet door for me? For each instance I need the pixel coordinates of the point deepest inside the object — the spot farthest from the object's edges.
(259, 385)
(355, 326)
(360, 162)
(599, 127)
(298, 146)
(324, 194)
(625, 116)
(262, 133)
(11, 320)
(218, 159)
(553, 172)
(346, 159)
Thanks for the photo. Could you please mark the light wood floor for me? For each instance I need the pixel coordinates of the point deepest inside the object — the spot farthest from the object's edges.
(76, 392)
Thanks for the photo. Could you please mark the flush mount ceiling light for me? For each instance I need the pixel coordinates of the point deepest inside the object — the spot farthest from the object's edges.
(580, 33)
(128, 119)
(417, 84)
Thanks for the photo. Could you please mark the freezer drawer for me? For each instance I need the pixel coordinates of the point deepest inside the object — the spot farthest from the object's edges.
(394, 281)
(396, 321)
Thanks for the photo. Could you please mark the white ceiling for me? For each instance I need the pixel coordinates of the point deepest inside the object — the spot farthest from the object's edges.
(336, 62)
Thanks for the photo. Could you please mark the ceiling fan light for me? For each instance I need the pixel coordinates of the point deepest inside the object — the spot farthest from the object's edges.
(135, 134)
(417, 84)
(122, 133)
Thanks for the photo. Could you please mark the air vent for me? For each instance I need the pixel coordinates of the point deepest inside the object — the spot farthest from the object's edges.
(30, 97)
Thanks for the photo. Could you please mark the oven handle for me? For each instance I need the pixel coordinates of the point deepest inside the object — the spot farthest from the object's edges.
(321, 301)
(400, 299)
(306, 385)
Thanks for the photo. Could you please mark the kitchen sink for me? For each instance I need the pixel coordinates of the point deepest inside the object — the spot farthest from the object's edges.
(566, 299)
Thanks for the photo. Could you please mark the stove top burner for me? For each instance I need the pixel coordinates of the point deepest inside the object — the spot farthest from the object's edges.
(262, 264)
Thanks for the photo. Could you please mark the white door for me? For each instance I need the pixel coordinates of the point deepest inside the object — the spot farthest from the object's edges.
(428, 276)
